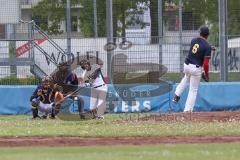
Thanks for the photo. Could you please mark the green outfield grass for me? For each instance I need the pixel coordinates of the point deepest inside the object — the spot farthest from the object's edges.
(120, 78)
(24, 126)
(214, 77)
(150, 152)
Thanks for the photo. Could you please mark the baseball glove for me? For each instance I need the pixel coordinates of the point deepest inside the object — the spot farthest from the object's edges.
(205, 78)
(58, 98)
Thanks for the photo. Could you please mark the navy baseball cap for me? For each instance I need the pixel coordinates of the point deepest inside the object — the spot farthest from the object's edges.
(204, 30)
(62, 63)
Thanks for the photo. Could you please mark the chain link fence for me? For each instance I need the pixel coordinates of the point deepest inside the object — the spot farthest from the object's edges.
(137, 46)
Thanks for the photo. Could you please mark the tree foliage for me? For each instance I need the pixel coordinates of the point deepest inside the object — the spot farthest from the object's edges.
(49, 11)
(54, 11)
(125, 13)
(207, 12)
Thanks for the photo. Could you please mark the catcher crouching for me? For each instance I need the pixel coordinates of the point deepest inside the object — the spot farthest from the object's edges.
(46, 100)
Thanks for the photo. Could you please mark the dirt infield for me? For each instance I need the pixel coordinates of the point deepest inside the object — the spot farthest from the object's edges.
(100, 141)
(195, 117)
(205, 117)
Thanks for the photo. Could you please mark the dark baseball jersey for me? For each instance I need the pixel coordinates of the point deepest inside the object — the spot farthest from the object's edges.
(46, 96)
(198, 50)
(66, 78)
(71, 79)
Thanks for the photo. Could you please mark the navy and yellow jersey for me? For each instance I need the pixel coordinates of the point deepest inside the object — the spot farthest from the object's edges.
(34, 95)
(198, 51)
(46, 95)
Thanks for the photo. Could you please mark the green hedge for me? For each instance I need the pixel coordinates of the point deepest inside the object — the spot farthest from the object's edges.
(120, 78)
(12, 80)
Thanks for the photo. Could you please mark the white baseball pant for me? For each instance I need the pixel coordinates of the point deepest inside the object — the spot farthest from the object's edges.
(192, 77)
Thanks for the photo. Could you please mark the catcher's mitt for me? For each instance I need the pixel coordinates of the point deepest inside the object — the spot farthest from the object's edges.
(58, 98)
(205, 78)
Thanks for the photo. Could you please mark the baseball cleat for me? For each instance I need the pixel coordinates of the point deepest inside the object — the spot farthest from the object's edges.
(52, 117)
(35, 117)
(176, 99)
(100, 117)
(44, 117)
(82, 116)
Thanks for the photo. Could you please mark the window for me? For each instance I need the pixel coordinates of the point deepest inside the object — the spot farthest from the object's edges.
(39, 20)
(74, 23)
(2, 31)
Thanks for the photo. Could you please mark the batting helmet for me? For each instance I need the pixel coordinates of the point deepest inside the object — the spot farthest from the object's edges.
(84, 62)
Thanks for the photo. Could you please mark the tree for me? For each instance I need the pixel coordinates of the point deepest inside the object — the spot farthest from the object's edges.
(122, 9)
(233, 17)
(55, 12)
(203, 11)
(52, 11)
(128, 13)
(207, 12)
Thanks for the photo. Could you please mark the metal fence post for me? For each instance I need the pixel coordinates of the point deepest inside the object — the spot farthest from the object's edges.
(14, 67)
(30, 39)
(11, 34)
(222, 12)
(68, 12)
(31, 54)
(109, 27)
(95, 18)
(180, 36)
(160, 29)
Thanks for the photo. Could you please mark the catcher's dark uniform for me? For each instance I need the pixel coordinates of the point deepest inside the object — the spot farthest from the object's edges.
(42, 99)
(47, 94)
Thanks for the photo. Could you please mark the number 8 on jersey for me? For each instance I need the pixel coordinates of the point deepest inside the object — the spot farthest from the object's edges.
(195, 48)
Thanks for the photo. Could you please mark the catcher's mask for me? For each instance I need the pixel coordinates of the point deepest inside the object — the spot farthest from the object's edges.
(63, 66)
(46, 82)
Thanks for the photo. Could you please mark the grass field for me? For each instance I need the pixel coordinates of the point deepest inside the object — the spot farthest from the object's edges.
(116, 125)
(214, 77)
(112, 125)
(148, 152)
(121, 78)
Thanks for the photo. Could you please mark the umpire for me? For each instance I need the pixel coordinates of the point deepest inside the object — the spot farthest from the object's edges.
(64, 79)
